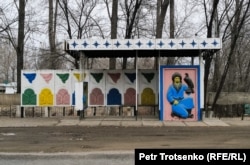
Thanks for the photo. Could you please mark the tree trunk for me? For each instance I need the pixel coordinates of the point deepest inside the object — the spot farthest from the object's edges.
(217, 63)
(20, 44)
(160, 17)
(114, 19)
(208, 57)
(170, 60)
(131, 13)
(52, 34)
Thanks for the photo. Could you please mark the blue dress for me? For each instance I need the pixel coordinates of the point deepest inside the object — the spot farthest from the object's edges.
(185, 103)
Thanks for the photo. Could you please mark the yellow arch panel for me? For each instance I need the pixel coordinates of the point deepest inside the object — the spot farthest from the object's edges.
(148, 97)
(46, 97)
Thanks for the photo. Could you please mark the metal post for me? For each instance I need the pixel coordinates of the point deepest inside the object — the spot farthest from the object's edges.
(22, 112)
(201, 85)
(81, 116)
(159, 83)
(136, 96)
(63, 111)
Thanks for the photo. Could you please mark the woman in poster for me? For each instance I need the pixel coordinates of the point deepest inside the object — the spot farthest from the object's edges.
(181, 105)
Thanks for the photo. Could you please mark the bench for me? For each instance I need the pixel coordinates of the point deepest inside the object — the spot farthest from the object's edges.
(246, 110)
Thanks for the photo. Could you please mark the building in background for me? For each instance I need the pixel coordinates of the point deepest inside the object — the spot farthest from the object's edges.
(8, 88)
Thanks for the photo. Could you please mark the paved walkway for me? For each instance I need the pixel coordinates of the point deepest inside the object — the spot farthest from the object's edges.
(118, 121)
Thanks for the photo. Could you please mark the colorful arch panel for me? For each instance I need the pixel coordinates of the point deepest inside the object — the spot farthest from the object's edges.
(148, 97)
(63, 97)
(130, 97)
(96, 97)
(114, 97)
(29, 97)
(46, 97)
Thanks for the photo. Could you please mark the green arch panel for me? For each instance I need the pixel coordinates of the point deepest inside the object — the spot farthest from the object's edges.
(29, 97)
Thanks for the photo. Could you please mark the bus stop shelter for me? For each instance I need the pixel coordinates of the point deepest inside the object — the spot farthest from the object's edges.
(139, 48)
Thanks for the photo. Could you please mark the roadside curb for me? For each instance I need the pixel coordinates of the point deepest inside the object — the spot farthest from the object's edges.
(119, 122)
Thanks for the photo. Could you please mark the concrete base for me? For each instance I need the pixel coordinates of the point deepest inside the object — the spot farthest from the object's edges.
(210, 114)
(18, 111)
(46, 111)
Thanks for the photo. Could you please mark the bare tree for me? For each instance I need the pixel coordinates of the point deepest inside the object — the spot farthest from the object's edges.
(52, 34)
(20, 42)
(162, 6)
(7, 63)
(114, 21)
(8, 42)
(131, 9)
(77, 22)
(208, 56)
(240, 16)
(171, 60)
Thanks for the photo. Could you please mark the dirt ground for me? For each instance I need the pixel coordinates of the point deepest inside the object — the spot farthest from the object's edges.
(85, 139)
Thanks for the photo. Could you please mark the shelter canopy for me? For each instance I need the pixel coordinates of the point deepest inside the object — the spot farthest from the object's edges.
(111, 48)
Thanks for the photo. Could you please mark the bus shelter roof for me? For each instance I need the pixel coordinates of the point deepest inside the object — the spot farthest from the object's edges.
(113, 48)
